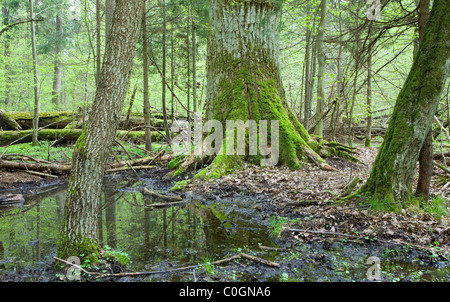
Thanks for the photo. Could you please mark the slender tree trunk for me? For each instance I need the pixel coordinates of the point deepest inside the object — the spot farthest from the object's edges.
(147, 112)
(369, 92)
(426, 153)
(392, 175)
(172, 73)
(188, 56)
(56, 96)
(99, 41)
(321, 70)
(36, 78)
(194, 66)
(307, 114)
(79, 230)
(164, 104)
(110, 6)
(5, 13)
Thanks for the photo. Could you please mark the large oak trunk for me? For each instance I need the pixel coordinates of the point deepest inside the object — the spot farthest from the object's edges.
(244, 82)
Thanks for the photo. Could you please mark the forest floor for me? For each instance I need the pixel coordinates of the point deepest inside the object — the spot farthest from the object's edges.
(306, 213)
(307, 203)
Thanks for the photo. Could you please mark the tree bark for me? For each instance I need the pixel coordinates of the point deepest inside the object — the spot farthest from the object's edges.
(321, 70)
(110, 6)
(7, 53)
(36, 78)
(369, 92)
(98, 58)
(426, 153)
(307, 114)
(244, 82)
(8, 120)
(392, 175)
(163, 80)
(147, 113)
(56, 95)
(79, 230)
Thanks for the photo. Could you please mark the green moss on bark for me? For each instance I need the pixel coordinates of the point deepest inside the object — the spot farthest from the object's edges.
(83, 248)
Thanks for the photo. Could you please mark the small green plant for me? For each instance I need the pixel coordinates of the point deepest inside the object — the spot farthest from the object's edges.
(391, 253)
(122, 258)
(437, 207)
(276, 224)
(208, 265)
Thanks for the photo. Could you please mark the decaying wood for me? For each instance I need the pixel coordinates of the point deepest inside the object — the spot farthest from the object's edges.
(165, 204)
(9, 121)
(11, 199)
(41, 174)
(349, 188)
(441, 155)
(52, 168)
(441, 167)
(122, 169)
(43, 167)
(168, 198)
(325, 233)
(180, 269)
(12, 137)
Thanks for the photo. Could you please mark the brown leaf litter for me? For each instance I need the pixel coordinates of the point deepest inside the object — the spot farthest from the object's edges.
(306, 196)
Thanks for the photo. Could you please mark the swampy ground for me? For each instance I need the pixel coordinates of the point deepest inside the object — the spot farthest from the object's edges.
(286, 222)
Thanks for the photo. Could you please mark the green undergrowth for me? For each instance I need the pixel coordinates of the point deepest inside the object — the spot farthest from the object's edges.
(437, 206)
(43, 151)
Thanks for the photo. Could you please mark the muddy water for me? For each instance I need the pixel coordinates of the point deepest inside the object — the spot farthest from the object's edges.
(157, 238)
(193, 233)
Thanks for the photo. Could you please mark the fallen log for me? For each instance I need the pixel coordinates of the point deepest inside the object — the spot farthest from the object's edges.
(6, 121)
(441, 167)
(67, 120)
(52, 168)
(62, 169)
(441, 155)
(11, 199)
(12, 137)
(58, 120)
(349, 188)
(173, 270)
(168, 198)
(165, 204)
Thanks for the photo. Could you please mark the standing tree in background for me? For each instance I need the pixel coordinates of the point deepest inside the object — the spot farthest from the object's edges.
(36, 77)
(56, 95)
(368, 134)
(321, 69)
(392, 174)
(110, 5)
(79, 230)
(307, 75)
(146, 94)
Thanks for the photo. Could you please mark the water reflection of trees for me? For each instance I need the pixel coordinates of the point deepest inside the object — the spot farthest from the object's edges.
(178, 234)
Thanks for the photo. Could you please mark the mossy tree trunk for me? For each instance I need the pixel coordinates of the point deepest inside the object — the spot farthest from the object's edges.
(244, 82)
(79, 230)
(392, 175)
(426, 153)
